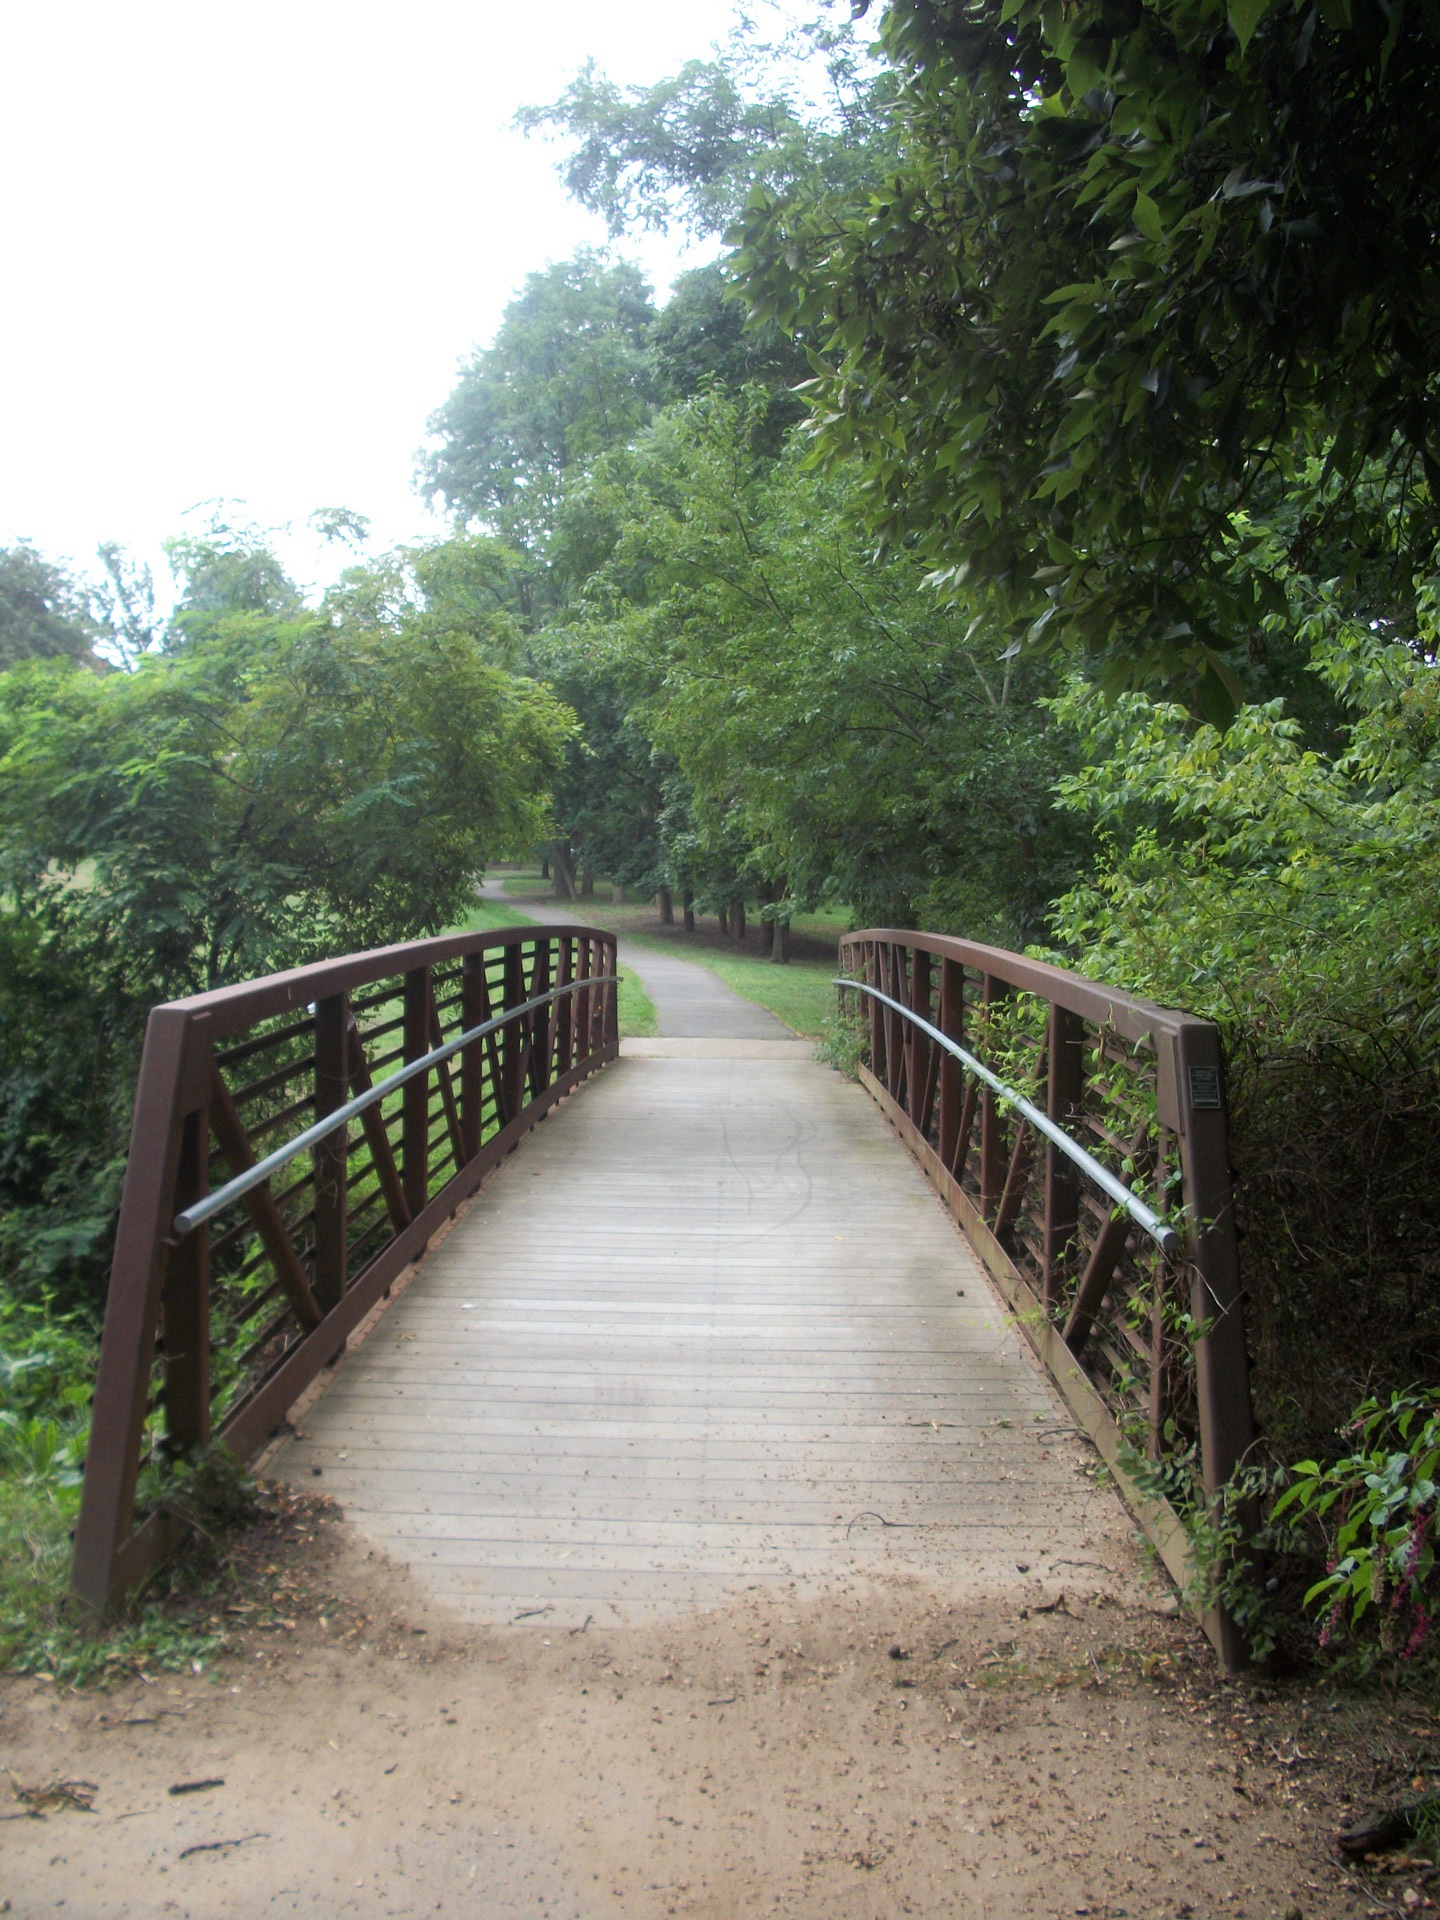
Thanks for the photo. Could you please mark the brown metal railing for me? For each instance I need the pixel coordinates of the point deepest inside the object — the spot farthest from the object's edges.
(229, 1295)
(1134, 1306)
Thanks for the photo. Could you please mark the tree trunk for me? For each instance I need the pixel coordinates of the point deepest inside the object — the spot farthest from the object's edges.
(764, 929)
(780, 942)
(724, 918)
(587, 884)
(564, 867)
(737, 919)
(689, 910)
(617, 892)
(544, 866)
(666, 906)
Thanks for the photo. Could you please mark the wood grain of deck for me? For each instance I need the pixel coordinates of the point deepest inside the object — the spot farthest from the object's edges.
(707, 1330)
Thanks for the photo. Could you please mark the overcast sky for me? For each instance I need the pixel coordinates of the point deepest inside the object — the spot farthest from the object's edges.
(246, 247)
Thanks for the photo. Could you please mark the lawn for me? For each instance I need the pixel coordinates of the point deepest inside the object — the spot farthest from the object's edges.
(637, 1009)
(798, 993)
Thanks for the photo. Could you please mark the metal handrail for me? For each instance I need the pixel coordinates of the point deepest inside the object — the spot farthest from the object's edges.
(1164, 1237)
(257, 1175)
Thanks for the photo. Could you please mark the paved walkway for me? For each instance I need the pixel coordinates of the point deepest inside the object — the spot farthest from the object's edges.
(690, 1000)
(708, 1330)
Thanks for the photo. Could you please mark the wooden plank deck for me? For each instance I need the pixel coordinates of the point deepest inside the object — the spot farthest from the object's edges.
(707, 1330)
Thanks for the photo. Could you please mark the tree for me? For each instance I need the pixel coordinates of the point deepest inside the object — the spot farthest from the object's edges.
(269, 788)
(278, 791)
(567, 376)
(690, 150)
(44, 611)
(1130, 265)
(838, 733)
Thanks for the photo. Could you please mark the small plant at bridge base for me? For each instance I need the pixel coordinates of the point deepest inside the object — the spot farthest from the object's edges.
(42, 1631)
(844, 1039)
(1230, 1551)
(1375, 1510)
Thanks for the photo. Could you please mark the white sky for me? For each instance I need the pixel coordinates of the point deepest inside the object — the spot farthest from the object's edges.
(248, 245)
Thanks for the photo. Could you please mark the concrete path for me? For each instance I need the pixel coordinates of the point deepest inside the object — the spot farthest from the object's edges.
(690, 1001)
(708, 1331)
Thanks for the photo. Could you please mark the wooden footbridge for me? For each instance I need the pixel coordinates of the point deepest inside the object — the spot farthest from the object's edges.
(708, 1329)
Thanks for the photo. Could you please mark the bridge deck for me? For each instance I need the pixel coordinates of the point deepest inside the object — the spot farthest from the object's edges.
(707, 1330)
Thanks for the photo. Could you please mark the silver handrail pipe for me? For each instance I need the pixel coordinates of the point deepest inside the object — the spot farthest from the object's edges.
(257, 1175)
(1166, 1238)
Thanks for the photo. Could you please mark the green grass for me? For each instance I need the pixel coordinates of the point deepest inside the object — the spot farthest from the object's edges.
(637, 1009)
(799, 993)
(43, 1632)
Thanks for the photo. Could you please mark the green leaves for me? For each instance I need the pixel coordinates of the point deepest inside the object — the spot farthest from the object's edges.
(1162, 300)
(1147, 217)
(1245, 17)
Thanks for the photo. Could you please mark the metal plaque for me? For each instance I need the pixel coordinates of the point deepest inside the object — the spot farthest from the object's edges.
(1205, 1087)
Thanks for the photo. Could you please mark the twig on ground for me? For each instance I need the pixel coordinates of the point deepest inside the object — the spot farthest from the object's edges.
(215, 1846)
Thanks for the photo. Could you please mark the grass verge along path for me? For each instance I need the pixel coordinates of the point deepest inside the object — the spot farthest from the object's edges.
(637, 1009)
(799, 992)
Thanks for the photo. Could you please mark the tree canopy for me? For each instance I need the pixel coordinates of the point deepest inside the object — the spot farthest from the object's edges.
(1130, 267)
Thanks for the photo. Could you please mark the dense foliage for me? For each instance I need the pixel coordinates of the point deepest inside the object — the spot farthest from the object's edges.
(1128, 266)
(277, 785)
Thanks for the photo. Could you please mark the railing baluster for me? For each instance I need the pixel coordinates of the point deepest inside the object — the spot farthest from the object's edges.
(918, 1090)
(584, 1038)
(512, 1035)
(952, 1078)
(332, 1090)
(185, 1301)
(992, 1132)
(610, 957)
(474, 1010)
(1064, 1092)
(565, 1009)
(541, 1026)
(376, 1136)
(415, 1094)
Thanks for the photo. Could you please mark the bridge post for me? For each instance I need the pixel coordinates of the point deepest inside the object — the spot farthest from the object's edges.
(992, 1142)
(474, 1010)
(610, 956)
(1064, 1092)
(331, 1158)
(918, 1071)
(415, 1094)
(1222, 1366)
(565, 1007)
(512, 1036)
(952, 1074)
(185, 1298)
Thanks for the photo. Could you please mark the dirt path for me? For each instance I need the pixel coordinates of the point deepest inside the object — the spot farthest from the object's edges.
(878, 1753)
